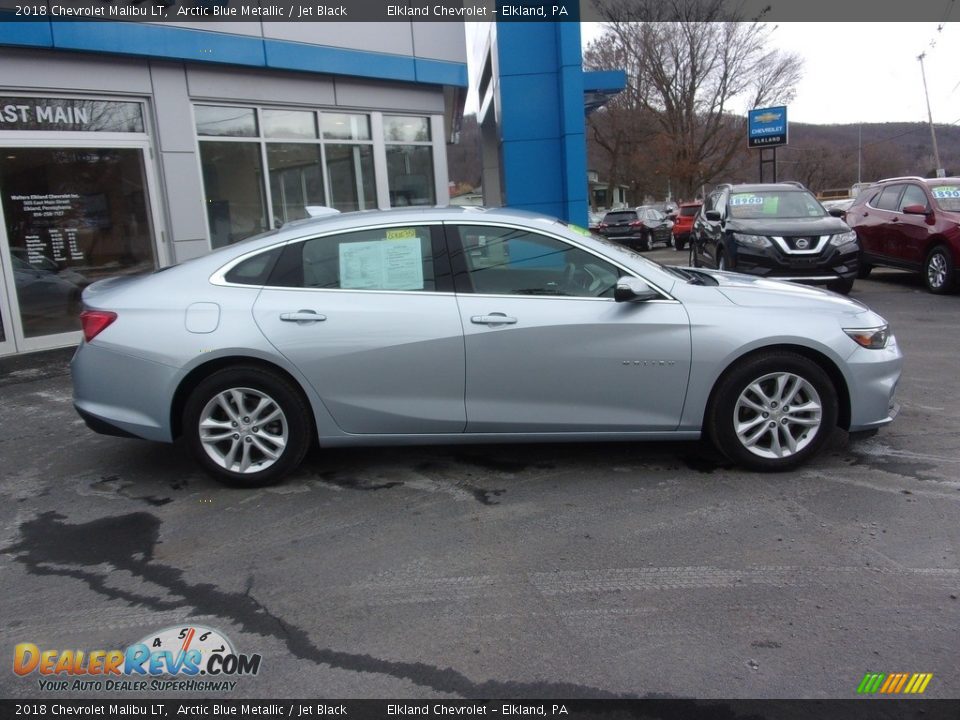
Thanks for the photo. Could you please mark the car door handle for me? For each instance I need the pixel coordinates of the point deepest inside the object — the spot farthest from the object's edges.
(493, 319)
(303, 316)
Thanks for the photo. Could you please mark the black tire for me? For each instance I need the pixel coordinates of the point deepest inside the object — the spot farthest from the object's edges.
(692, 259)
(250, 381)
(721, 261)
(938, 272)
(842, 286)
(645, 241)
(678, 244)
(767, 454)
(863, 269)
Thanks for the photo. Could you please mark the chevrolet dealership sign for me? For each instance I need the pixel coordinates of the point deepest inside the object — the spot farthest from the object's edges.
(767, 127)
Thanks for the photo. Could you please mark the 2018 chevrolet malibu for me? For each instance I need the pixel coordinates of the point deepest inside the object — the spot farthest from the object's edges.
(469, 325)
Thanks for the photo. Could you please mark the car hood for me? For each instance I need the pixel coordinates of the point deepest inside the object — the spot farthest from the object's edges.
(788, 226)
(751, 291)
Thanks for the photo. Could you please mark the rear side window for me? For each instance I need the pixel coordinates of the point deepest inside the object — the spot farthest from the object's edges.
(889, 198)
(254, 270)
(398, 258)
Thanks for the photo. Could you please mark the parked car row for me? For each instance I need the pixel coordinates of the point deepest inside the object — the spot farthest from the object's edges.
(782, 231)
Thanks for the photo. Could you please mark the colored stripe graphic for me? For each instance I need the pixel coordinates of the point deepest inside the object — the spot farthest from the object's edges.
(894, 683)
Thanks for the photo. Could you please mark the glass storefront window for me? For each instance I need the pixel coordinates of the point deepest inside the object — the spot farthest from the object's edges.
(410, 175)
(296, 179)
(406, 129)
(289, 124)
(350, 169)
(345, 126)
(233, 182)
(73, 216)
(225, 121)
(67, 114)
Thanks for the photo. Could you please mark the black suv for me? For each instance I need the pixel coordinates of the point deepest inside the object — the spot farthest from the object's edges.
(637, 227)
(775, 230)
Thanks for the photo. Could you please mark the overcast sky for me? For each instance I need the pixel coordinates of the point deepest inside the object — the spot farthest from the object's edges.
(867, 72)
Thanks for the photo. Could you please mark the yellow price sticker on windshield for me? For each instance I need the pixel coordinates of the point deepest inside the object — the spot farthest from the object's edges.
(401, 234)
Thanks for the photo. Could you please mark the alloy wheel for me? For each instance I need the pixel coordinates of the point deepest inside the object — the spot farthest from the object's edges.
(937, 270)
(243, 430)
(777, 415)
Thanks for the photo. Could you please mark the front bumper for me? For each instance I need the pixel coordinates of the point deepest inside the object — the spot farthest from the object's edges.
(872, 383)
(829, 265)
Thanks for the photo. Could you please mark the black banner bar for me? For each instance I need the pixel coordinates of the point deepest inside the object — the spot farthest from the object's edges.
(864, 709)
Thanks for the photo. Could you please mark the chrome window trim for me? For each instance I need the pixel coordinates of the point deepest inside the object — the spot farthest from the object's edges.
(561, 238)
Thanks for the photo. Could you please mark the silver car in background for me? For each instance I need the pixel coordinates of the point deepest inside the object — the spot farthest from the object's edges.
(468, 325)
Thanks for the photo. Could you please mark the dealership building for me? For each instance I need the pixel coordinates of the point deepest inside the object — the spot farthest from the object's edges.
(127, 146)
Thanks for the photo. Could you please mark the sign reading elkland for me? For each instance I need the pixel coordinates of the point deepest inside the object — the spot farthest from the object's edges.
(767, 127)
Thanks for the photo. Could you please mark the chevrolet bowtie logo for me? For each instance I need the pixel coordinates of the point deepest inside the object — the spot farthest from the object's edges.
(767, 117)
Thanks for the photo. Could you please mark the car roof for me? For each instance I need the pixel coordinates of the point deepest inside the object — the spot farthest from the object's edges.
(692, 203)
(761, 187)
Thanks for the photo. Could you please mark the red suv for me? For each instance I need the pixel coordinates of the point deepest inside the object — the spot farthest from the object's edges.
(910, 223)
(683, 223)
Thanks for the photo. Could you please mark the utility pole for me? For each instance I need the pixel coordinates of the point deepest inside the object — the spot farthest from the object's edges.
(859, 150)
(933, 133)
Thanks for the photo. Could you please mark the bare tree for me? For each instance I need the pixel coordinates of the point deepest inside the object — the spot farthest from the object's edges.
(692, 77)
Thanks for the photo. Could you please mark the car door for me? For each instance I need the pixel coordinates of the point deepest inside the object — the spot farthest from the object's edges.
(708, 232)
(547, 347)
(885, 214)
(370, 318)
(908, 234)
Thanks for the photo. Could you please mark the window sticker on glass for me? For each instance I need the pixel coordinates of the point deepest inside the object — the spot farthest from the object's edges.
(946, 191)
(391, 264)
(401, 233)
(745, 199)
(579, 230)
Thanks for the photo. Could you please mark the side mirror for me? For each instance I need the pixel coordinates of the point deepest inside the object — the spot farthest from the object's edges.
(915, 210)
(713, 215)
(631, 289)
(836, 212)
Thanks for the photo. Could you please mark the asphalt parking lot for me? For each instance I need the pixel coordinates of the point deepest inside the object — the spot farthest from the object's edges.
(508, 571)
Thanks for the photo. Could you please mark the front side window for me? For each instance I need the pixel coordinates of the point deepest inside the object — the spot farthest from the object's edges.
(397, 258)
(913, 195)
(507, 261)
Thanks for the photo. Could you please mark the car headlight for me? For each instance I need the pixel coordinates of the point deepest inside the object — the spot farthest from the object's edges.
(757, 241)
(871, 338)
(844, 238)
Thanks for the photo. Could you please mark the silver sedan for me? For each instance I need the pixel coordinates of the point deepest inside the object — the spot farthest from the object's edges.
(466, 325)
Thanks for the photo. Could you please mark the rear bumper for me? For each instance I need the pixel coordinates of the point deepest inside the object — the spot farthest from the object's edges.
(119, 394)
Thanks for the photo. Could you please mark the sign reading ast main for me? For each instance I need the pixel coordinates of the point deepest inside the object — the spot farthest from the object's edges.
(767, 127)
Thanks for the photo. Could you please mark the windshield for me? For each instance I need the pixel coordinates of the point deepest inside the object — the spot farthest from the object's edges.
(947, 196)
(774, 204)
(689, 210)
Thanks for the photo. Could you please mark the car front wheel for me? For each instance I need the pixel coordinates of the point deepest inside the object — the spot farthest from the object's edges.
(938, 271)
(773, 412)
(247, 426)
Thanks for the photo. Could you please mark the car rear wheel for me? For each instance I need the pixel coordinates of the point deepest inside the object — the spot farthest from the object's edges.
(678, 243)
(645, 240)
(938, 270)
(773, 412)
(247, 426)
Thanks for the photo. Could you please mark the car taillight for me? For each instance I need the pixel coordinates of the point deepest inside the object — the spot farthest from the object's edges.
(636, 223)
(602, 226)
(95, 322)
